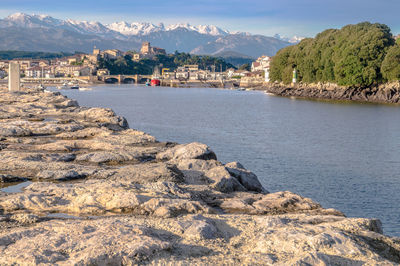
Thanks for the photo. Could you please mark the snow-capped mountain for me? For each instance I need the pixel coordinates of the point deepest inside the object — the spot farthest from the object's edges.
(92, 27)
(138, 28)
(21, 31)
(22, 20)
(295, 39)
(135, 28)
(202, 29)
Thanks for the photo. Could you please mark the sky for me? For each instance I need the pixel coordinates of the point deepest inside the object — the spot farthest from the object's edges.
(268, 17)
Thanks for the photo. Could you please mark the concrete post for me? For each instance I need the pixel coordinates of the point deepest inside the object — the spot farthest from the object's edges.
(13, 77)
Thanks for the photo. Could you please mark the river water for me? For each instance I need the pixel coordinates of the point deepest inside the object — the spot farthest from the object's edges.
(343, 155)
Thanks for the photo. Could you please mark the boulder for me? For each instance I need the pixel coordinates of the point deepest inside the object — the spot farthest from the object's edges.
(247, 178)
(192, 150)
(221, 180)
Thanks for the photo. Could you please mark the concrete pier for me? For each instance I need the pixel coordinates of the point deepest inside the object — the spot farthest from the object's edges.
(13, 77)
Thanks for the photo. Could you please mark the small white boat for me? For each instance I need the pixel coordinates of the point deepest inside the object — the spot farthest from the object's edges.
(41, 87)
(85, 89)
(241, 89)
(64, 86)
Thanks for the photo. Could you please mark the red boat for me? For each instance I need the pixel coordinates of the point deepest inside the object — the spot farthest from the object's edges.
(155, 82)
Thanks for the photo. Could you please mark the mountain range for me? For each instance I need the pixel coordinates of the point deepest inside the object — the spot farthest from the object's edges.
(21, 31)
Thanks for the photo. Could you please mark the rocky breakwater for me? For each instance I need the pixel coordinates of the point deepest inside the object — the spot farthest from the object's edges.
(383, 93)
(89, 190)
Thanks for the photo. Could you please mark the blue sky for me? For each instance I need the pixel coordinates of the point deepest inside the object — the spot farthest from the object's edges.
(287, 17)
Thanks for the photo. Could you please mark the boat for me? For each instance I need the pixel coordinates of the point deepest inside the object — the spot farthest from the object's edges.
(74, 87)
(148, 83)
(155, 82)
(41, 87)
(64, 86)
(241, 89)
(85, 89)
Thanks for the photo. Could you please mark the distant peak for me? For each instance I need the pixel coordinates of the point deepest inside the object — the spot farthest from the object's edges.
(295, 39)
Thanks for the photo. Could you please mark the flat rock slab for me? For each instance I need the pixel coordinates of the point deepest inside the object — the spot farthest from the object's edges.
(199, 239)
(98, 193)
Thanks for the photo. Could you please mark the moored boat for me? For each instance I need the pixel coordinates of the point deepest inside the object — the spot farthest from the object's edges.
(64, 86)
(40, 86)
(155, 82)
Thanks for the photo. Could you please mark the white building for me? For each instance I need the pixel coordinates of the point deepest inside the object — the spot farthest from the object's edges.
(39, 72)
(262, 64)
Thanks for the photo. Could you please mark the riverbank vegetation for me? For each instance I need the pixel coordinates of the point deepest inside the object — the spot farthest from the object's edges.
(127, 66)
(356, 55)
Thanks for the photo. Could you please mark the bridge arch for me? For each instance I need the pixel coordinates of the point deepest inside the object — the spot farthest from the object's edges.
(111, 80)
(129, 80)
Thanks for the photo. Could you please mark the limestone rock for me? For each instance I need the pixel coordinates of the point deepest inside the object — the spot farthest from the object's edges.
(194, 170)
(146, 173)
(248, 179)
(223, 181)
(126, 199)
(192, 150)
(200, 228)
(97, 242)
(7, 130)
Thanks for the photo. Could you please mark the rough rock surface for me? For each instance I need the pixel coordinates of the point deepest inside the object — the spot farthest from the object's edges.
(81, 188)
(384, 93)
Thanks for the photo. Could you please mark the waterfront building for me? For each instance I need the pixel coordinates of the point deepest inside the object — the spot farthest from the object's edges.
(39, 72)
(262, 64)
(182, 73)
(103, 72)
(72, 70)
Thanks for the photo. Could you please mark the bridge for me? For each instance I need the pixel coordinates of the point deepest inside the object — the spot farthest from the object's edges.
(125, 78)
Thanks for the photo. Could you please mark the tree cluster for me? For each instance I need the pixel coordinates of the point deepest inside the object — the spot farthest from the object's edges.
(361, 54)
(125, 65)
(10, 55)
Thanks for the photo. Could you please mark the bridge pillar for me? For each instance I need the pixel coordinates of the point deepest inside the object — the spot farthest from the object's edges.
(119, 78)
(136, 79)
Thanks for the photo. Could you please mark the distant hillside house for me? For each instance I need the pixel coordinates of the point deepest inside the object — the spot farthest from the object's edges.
(147, 49)
(106, 54)
(262, 64)
(112, 53)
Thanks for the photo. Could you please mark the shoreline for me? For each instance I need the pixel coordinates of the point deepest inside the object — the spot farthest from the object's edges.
(117, 195)
(388, 93)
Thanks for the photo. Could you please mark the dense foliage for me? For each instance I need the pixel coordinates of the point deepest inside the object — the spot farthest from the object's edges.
(353, 55)
(10, 55)
(125, 65)
(391, 65)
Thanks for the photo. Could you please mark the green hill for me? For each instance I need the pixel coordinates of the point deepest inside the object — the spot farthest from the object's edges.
(361, 54)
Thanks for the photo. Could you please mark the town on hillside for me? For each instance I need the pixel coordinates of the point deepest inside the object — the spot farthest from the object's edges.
(108, 66)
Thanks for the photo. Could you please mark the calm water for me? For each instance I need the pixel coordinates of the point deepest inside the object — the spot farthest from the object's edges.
(344, 156)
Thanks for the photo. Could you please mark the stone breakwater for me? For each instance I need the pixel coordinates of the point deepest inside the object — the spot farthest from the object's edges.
(95, 192)
(384, 93)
